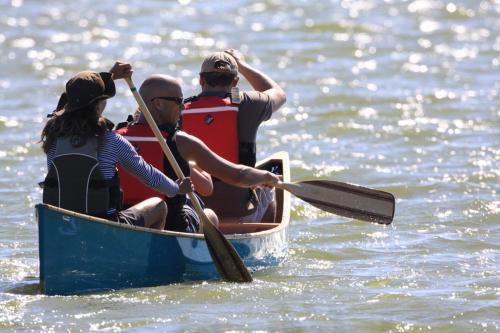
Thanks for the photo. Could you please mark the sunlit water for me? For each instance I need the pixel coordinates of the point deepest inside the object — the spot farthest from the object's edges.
(396, 95)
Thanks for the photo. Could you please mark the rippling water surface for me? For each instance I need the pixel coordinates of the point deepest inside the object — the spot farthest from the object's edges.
(396, 95)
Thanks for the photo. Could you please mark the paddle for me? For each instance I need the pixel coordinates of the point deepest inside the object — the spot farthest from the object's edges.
(345, 199)
(228, 262)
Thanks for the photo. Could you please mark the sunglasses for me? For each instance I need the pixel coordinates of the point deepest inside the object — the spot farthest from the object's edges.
(177, 100)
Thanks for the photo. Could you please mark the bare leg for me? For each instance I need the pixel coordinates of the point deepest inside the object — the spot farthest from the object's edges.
(270, 214)
(211, 216)
(154, 211)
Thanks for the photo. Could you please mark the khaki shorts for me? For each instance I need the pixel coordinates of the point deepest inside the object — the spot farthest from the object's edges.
(265, 196)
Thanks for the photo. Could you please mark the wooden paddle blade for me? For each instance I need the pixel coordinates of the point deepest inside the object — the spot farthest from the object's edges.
(228, 262)
(345, 199)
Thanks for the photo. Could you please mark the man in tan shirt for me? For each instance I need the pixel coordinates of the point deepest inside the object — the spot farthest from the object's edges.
(227, 120)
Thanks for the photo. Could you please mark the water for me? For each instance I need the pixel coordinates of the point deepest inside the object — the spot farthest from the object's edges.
(396, 95)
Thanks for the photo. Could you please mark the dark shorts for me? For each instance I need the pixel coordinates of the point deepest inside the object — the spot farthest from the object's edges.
(186, 220)
(131, 216)
(190, 218)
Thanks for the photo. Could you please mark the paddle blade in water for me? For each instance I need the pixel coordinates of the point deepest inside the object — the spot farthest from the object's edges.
(345, 199)
(228, 262)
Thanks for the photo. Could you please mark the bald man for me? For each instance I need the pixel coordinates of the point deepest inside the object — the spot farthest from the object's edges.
(163, 96)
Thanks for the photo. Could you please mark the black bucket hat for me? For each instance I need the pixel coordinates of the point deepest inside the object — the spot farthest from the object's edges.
(84, 89)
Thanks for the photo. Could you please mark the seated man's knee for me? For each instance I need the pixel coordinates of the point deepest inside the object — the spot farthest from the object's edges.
(212, 216)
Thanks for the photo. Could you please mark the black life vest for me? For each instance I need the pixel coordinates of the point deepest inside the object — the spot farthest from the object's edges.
(175, 218)
(74, 181)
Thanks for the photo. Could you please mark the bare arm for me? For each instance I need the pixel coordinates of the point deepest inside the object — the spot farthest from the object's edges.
(193, 149)
(201, 180)
(259, 81)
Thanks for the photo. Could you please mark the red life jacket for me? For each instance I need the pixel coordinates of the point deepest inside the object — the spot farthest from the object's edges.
(214, 120)
(146, 145)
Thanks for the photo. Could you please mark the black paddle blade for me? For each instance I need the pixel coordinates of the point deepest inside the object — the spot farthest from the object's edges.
(346, 200)
(228, 262)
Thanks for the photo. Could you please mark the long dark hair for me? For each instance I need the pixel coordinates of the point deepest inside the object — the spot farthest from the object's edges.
(82, 123)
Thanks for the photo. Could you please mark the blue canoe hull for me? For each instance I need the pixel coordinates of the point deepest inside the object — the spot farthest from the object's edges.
(80, 254)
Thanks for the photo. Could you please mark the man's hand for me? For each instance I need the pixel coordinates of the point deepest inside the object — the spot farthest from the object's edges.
(270, 179)
(121, 70)
(185, 185)
(237, 55)
(259, 81)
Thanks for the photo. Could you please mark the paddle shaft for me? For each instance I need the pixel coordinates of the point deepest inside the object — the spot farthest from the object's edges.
(236, 270)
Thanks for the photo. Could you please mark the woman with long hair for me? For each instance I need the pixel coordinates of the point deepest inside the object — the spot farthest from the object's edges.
(83, 153)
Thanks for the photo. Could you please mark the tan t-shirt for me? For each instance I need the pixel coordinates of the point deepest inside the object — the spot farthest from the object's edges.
(255, 108)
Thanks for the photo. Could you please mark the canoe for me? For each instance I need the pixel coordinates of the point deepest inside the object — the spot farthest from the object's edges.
(81, 254)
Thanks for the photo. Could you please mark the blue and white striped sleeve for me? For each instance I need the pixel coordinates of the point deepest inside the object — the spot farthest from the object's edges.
(50, 156)
(128, 158)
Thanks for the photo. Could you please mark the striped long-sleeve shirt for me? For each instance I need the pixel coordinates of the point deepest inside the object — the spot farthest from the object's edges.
(114, 150)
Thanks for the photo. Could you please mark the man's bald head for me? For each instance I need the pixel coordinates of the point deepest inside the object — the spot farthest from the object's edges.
(163, 111)
(160, 85)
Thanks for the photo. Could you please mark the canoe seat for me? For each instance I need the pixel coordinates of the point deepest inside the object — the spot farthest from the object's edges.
(244, 228)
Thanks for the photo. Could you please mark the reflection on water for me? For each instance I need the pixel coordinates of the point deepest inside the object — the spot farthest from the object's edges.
(396, 95)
